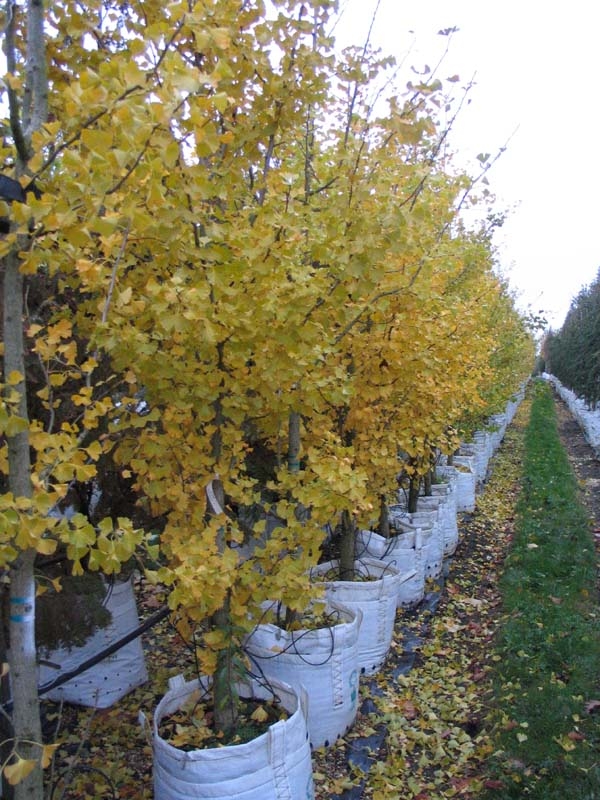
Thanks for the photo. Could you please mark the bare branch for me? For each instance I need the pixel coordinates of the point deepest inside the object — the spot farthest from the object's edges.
(13, 100)
(355, 92)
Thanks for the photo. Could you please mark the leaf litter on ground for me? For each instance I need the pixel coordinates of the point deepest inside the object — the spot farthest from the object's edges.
(435, 741)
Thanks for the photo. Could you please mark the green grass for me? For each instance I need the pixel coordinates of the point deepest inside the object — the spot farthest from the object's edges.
(548, 651)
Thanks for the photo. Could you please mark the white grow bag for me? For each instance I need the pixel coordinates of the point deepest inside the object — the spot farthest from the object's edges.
(403, 552)
(450, 523)
(587, 419)
(432, 541)
(105, 683)
(324, 661)
(274, 766)
(450, 476)
(375, 598)
(477, 451)
(466, 484)
(446, 517)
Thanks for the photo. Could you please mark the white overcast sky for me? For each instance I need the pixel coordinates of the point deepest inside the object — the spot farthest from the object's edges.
(536, 66)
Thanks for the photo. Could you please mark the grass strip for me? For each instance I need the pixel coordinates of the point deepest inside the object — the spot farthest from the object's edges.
(546, 707)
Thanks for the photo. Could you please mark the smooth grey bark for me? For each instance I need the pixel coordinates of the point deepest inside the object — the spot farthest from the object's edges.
(25, 119)
(22, 651)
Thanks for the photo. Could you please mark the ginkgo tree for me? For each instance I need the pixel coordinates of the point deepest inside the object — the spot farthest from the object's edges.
(367, 184)
(167, 137)
(408, 318)
(57, 402)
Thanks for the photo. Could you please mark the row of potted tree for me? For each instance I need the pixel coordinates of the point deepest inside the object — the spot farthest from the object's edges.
(320, 666)
(251, 296)
(323, 664)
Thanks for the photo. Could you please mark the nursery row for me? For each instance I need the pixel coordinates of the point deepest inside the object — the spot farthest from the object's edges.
(570, 354)
(242, 308)
(314, 672)
(587, 418)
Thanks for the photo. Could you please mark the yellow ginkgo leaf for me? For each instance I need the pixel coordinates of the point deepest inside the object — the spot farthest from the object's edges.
(19, 770)
(14, 378)
(46, 546)
(48, 753)
(259, 715)
(565, 742)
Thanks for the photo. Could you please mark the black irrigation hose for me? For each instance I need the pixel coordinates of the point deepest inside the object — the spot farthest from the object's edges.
(108, 651)
(292, 646)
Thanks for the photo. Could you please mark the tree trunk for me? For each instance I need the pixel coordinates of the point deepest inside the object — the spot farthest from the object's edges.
(225, 696)
(23, 673)
(383, 526)
(427, 481)
(25, 118)
(413, 493)
(294, 442)
(347, 548)
(6, 728)
(293, 461)
(22, 652)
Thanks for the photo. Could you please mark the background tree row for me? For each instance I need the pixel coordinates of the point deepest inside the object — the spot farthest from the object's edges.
(572, 354)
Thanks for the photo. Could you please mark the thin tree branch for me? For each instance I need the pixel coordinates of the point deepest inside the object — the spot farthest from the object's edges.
(109, 294)
(87, 124)
(13, 100)
(113, 277)
(355, 92)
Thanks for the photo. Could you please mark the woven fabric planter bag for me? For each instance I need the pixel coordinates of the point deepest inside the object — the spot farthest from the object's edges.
(449, 475)
(451, 531)
(322, 660)
(497, 429)
(403, 552)
(446, 508)
(274, 766)
(432, 541)
(375, 594)
(475, 452)
(466, 484)
(105, 683)
(483, 452)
